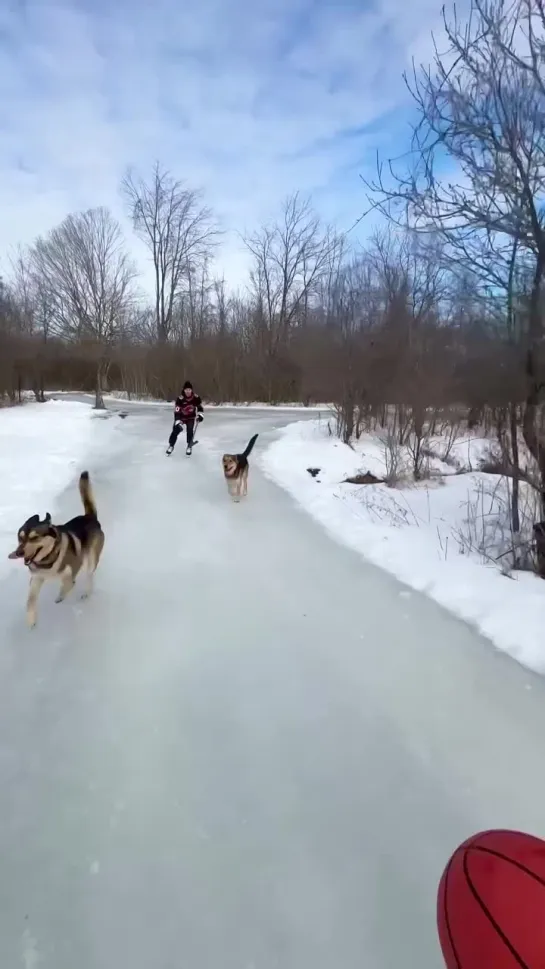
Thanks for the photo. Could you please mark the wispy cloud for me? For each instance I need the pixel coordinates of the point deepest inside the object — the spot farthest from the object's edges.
(249, 100)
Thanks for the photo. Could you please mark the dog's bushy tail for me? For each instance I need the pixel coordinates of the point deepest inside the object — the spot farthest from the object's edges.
(86, 493)
(249, 446)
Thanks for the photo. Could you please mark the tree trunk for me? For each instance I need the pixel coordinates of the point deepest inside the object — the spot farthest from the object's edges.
(539, 535)
(515, 515)
(530, 424)
(347, 412)
(99, 399)
(473, 418)
(38, 385)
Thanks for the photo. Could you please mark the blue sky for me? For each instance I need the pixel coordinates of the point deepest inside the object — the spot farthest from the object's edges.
(248, 99)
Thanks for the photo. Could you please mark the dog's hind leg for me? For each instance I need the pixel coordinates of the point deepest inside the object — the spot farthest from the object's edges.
(93, 559)
(90, 565)
(67, 584)
(36, 584)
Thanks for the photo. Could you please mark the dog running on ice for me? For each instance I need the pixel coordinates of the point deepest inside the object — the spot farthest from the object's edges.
(235, 470)
(60, 551)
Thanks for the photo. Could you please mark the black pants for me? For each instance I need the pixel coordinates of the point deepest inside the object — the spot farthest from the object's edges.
(177, 429)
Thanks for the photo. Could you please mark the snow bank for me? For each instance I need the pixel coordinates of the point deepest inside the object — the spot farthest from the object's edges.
(415, 532)
(286, 406)
(42, 448)
(122, 397)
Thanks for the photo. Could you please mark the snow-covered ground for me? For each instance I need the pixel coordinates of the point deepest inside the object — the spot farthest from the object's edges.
(284, 406)
(118, 397)
(42, 447)
(446, 536)
(122, 396)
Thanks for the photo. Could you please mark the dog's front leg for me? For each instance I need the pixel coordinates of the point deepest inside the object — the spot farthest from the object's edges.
(36, 584)
(67, 584)
(237, 484)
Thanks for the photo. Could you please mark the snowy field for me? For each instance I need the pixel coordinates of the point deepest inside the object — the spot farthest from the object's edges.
(285, 406)
(42, 448)
(446, 536)
(122, 397)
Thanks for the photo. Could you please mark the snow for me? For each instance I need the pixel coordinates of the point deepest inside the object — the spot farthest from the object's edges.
(42, 448)
(445, 537)
(284, 406)
(122, 397)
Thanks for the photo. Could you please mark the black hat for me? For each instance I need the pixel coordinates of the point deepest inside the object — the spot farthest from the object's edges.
(188, 385)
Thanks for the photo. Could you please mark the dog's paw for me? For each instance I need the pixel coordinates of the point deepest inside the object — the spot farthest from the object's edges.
(60, 598)
(84, 595)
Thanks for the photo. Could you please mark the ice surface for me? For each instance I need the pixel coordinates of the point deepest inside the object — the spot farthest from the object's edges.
(250, 748)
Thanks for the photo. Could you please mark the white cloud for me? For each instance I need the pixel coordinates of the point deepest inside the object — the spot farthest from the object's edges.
(248, 100)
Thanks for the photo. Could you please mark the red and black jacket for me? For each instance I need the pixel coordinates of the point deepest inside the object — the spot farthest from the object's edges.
(187, 408)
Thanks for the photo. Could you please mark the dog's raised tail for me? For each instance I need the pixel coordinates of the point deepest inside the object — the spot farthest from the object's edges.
(249, 446)
(86, 493)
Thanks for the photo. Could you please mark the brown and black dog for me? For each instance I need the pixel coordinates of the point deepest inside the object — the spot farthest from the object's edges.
(59, 551)
(235, 470)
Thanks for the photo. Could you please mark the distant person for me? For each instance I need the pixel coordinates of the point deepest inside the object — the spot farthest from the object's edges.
(188, 410)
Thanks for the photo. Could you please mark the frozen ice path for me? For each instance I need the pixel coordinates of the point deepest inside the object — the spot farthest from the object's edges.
(249, 750)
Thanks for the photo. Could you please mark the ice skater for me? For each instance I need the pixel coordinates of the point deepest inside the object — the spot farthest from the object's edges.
(188, 411)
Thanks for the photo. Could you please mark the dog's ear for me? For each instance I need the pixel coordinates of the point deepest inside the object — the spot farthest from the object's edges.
(47, 519)
(31, 522)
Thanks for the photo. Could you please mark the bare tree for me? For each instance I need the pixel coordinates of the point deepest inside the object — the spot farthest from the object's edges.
(179, 232)
(84, 268)
(291, 257)
(12, 339)
(37, 309)
(482, 103)
(349, 301)
(197, 309)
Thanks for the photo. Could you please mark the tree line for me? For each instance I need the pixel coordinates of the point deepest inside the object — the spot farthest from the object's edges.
(440, 312)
